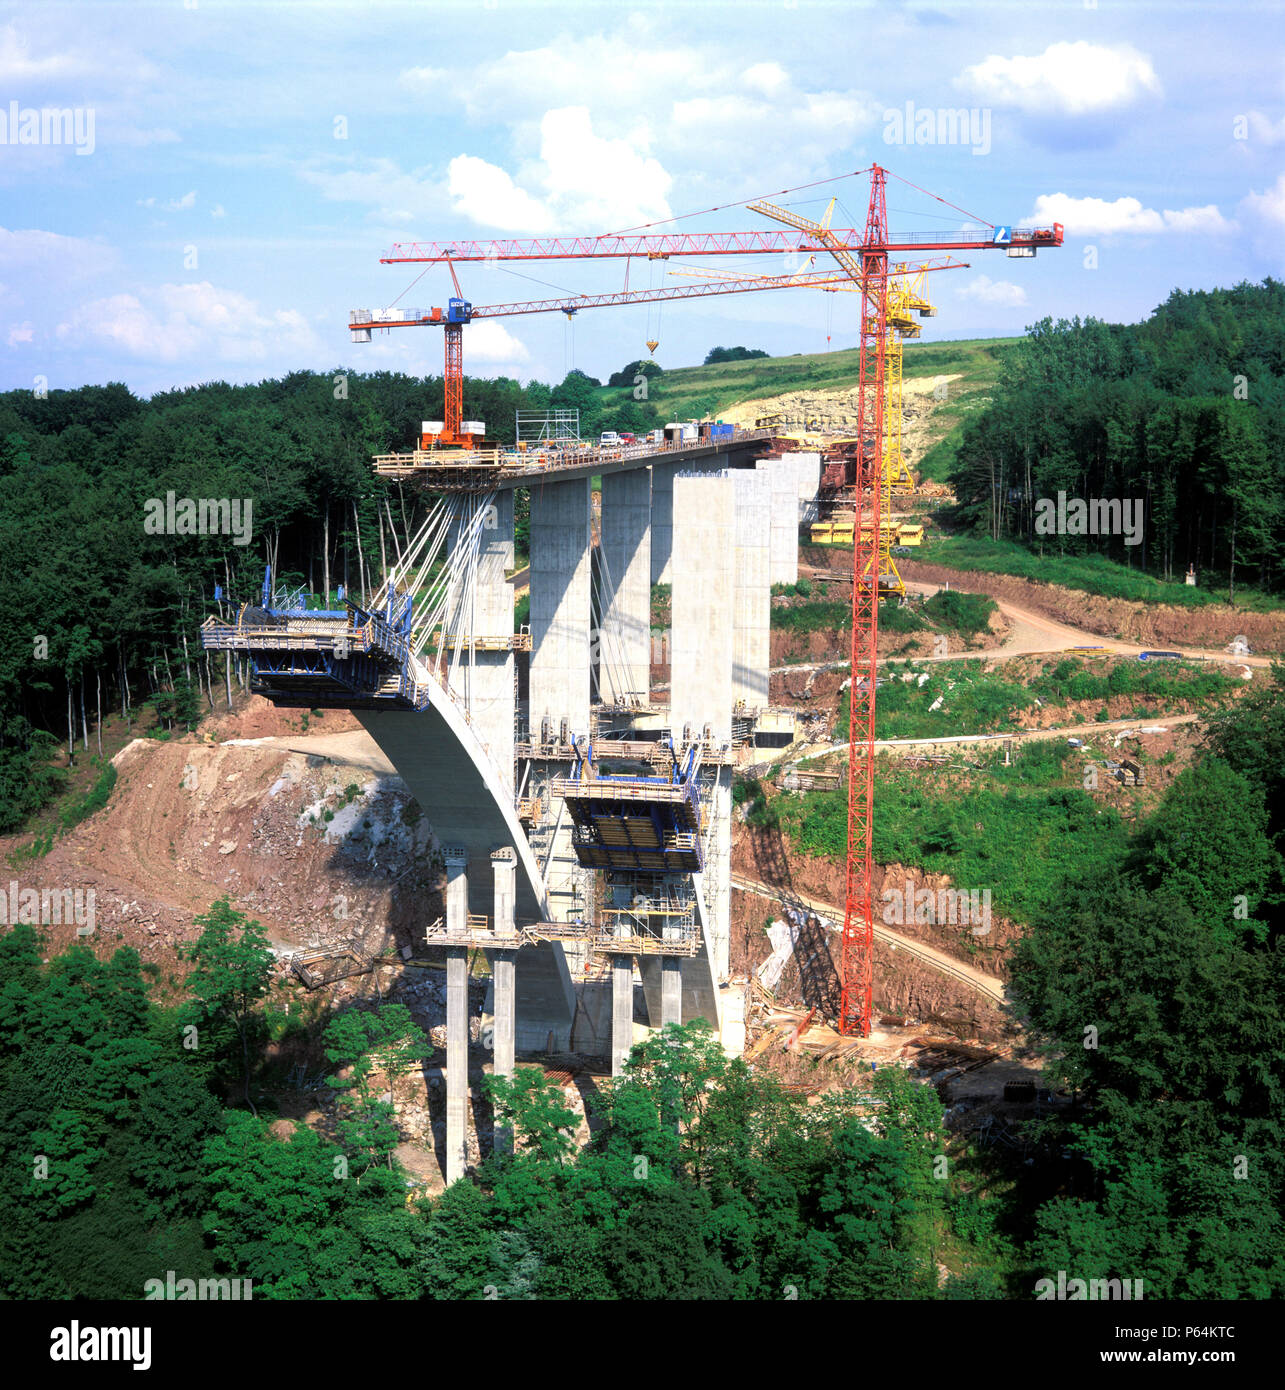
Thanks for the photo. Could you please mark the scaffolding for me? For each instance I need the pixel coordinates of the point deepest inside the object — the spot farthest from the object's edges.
(546, 427)
(324, 965)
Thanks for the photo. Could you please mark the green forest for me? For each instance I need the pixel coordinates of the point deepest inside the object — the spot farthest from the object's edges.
(1184, 412)
(143, 1137)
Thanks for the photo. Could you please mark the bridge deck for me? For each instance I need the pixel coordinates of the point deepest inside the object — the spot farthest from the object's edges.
(491, 470)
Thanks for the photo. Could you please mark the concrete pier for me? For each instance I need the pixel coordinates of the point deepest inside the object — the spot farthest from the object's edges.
(702, 604)
(624, 650)
(561, 653)
(671, 990)
(560, 606)
(662, 520)
(622, 1011)
(483, 607)
(701, 697)
(457, 1025)
(752, 594)
(503, 962)
(785, 519)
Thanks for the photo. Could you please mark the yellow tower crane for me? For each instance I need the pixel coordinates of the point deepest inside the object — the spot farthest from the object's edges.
(907, 297)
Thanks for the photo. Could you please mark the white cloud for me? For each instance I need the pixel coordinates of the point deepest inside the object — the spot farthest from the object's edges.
(686, 104)
(179, 322)
(739, 130)
(579, 181)
(218, 210)
(1068, 79)
(1002, 293)
(488, 340)
(55, 74)
(1097, 217)
(594, 183)
(389, 195)
(188, 200)
(1202, 219)
(1268, 206)
(768, 79)
(1265, 131)
(18, 64)
(487, 195)
(20, 333)
(615, 76)
(589, 183)
(34, 255)
(432, 80)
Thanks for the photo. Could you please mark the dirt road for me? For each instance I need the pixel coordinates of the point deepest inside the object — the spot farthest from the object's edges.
(987, 985)
(1033, 635)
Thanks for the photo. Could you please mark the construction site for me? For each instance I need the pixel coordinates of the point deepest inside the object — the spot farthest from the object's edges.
(585, 812)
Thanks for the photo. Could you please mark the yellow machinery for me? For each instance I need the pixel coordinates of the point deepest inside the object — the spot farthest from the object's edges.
(907, 303)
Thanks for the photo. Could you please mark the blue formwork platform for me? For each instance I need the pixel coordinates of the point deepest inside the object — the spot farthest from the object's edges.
(355, 658)
(634, 824)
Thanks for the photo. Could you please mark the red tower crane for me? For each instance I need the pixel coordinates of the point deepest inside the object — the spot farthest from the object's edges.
(862, 257)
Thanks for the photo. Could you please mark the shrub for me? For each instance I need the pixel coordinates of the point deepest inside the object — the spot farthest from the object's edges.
(965, 613)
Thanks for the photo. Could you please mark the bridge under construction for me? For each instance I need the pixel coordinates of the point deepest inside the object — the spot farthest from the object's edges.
(549, 855)
(581, 814)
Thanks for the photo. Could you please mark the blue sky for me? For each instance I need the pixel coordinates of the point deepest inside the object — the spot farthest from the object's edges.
(248, 164)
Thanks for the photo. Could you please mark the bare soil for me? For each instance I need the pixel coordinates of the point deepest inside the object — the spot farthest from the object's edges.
(191, 821)
(1162, 625)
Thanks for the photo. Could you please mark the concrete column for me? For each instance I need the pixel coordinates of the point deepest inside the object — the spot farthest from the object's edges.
(504, 876)
(671, 990)
(624, 651)
(503, 968)
(716, 881)
(702, 604)
(560, 605)
(456, 1062)
(504, 976)
(701, 680)
(503, 984)
(482, 608)
(456, 888)
(662, 520)
(785, 520)
(456, 1017)
(752, 594)
(492, 702)
(622, 1011)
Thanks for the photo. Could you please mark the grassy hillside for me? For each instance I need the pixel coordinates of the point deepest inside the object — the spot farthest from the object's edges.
(687, 392)
(978, 361)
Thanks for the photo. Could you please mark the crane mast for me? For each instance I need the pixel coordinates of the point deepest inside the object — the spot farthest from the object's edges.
(857, 950)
